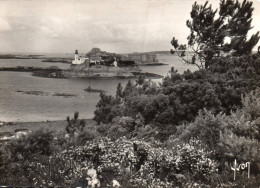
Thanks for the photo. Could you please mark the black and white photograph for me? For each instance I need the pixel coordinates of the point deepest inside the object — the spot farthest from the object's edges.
(130, 93)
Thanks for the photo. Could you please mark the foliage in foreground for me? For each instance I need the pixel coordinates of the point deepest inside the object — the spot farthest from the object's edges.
(180, 97)
(144, 164)
(199, 153)
(185, 132)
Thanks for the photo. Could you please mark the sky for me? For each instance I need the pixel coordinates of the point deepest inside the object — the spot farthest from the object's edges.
(120, 26)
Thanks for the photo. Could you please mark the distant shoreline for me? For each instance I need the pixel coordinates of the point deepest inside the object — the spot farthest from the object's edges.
(153, 64)
(55, 72)
(58, 60)
(9, 129)
(16, 56)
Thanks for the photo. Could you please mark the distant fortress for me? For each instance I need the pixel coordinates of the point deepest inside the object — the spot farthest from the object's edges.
(148, 57)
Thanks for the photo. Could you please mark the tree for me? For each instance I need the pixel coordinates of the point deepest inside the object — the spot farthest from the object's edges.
(107, 108)
(75, 125)
(213, 34)
(140, 80)
(119, 91)
(128, 88)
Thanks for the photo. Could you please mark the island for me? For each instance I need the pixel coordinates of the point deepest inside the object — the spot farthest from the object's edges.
(20, 56)
(91, 90)
(95, 64)
(136, 58)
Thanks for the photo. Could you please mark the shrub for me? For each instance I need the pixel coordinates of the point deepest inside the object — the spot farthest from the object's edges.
(106, 109)
(251, 104)
(75, 125)
(206, 128)
(126, 122)
(5, 160)
(22, 151)
(38, 142)
(145, 164)
(116, 131)
(102, 129)
(85, 136)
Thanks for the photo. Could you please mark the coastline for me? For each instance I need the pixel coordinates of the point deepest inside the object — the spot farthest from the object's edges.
(55, 72)
(58, 60)
(20, 56)
(10, 128)
(153, 64)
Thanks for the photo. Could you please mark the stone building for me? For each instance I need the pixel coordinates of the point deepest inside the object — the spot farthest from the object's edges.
(143, 57)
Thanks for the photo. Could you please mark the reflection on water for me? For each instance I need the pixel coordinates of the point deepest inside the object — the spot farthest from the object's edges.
(42, 99)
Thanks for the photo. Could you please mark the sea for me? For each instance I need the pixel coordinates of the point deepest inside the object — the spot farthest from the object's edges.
(25, 98)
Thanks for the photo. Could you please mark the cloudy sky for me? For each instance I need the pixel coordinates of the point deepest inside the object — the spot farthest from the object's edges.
(112, 25)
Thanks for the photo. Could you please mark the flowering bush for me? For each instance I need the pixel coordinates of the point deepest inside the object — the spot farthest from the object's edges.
(102, 162)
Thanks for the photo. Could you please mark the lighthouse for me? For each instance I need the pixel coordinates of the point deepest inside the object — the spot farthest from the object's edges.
(76, 55)
(80, 60)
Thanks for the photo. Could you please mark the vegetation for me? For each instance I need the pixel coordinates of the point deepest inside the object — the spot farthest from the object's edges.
(184, 132)
(214, 32)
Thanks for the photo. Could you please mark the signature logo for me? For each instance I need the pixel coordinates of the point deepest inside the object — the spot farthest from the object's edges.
(242, 166)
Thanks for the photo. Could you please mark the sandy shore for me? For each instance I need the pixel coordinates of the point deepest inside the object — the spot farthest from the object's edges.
(57, 126)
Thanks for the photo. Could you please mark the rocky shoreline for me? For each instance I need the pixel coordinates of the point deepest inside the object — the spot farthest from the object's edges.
(16, 56)
(58, 60)
(153, 64)
(55, 72)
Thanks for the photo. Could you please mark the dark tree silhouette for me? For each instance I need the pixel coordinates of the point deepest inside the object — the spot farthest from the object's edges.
(119, 91)
(75, 125)
(214, 32)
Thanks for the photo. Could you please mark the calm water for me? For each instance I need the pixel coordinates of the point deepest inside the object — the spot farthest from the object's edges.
(171, 61)
(43, 101)
(30, 63)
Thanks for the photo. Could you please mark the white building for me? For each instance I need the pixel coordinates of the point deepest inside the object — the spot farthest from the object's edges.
(115, 62)
(79, 60)
(94, 59)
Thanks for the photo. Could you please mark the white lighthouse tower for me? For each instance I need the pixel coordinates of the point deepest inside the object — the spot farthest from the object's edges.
(76, 55)
(80, 60)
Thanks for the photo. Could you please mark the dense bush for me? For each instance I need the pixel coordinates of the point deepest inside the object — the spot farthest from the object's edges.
(197, 153)
(230, 137)
(251, 105)
(145, 164)
(106, 109)
(186, 131)
(85, 136)
(20, 152)
(180, 97)
(38, 142)
(230, 129)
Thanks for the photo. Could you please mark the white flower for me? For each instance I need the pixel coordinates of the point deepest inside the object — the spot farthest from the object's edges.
(115, 183)
(92, 173)
(95, 183)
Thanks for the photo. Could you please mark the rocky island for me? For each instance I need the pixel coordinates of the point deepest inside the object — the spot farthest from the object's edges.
(95, 64)
(20, 56)
(136, 58)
